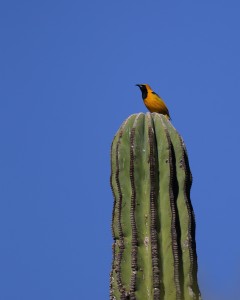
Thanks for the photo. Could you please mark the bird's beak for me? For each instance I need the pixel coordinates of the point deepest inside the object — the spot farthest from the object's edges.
(139, 85)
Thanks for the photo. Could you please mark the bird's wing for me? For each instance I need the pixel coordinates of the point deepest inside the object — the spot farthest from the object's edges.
(164, 107)
(156, 94)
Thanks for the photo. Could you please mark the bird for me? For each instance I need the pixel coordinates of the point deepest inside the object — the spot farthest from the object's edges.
(153, 101)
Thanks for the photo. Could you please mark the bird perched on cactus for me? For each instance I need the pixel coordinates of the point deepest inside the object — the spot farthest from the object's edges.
(153, 101)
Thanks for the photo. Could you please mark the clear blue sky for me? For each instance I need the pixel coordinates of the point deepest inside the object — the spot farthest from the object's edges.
(67, 72)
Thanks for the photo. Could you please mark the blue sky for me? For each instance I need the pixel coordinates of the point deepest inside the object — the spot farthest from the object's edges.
(67, 72)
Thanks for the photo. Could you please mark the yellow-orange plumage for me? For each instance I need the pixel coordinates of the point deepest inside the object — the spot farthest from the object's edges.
(153, 101)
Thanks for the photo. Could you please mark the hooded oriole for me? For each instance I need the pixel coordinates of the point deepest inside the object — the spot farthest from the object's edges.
(153, 101)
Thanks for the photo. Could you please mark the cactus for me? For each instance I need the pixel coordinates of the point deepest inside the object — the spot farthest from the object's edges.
(153, 225)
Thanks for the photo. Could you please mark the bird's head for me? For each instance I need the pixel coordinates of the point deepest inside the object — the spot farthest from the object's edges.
(144, 89)
(141, 86)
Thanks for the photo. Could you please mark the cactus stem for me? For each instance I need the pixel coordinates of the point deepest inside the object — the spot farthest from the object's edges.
(153, 223)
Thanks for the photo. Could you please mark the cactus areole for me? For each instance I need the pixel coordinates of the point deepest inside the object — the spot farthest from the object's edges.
(153, 226)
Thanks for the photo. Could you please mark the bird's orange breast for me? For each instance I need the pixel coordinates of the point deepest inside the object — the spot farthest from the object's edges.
(156, 104)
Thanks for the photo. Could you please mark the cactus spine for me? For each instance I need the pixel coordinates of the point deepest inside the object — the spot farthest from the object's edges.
(154, 250)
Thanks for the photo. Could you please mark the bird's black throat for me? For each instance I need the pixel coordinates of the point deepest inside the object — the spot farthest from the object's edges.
(144, 91)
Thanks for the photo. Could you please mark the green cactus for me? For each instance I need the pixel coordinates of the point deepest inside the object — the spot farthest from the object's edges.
(154, 250)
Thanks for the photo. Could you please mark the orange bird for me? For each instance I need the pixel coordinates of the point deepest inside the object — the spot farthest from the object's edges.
(153, 101)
